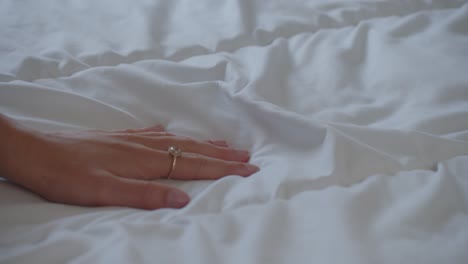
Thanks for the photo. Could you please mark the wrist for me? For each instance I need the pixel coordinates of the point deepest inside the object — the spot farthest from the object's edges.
(12, 137)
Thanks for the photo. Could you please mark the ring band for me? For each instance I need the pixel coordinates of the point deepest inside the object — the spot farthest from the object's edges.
(174, 152)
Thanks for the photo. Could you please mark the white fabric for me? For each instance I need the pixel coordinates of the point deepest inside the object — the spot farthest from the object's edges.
(355, 111)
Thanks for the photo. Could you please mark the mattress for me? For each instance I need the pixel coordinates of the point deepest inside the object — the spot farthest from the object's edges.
(356, 113)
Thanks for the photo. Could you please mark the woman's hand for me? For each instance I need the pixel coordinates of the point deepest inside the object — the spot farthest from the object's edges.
(115, 168)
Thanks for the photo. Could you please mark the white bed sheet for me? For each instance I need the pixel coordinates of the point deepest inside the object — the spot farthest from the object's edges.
(355, 111)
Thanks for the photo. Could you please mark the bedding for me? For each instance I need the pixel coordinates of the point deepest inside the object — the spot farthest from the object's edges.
(355, 111)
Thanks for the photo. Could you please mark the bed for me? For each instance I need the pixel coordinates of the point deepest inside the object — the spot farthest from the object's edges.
(355, 111)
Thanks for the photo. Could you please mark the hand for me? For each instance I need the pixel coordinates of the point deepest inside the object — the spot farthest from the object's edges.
(117, 168)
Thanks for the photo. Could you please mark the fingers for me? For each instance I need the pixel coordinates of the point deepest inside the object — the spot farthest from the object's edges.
(157, 138)
(203, 148)
(213, 149)
(207, 160)
(147, 195)
(147, 164)
(198, 167)
(116, 191)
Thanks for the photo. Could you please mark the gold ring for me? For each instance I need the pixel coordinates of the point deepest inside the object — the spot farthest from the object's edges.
(174, 152)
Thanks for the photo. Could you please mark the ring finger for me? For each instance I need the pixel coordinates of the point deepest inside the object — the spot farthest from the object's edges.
(191, 166)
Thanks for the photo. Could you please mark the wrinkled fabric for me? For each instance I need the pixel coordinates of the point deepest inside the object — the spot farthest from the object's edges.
(355, 111)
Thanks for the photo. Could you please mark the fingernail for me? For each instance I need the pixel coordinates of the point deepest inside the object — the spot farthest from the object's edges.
(247, 169)
(177, 199)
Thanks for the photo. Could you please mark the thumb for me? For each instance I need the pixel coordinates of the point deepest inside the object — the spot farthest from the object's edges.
(142, 194)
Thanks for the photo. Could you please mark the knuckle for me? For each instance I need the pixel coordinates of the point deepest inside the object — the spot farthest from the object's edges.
(224, 154)
(201, 168)
(100, 191)
(148, 196)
